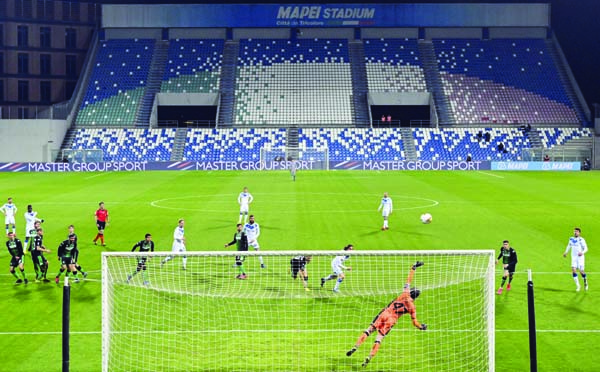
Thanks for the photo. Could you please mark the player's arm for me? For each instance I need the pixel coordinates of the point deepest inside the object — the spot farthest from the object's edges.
(61, 249)
(391, 206)
(20, 248)
(415, 322)
(513, 258)
(380, 206)
(151, 246)
(231, 242)
(250, 198)
(411, 274)
(257, 232)
(568, 249)
(107, 218)
(135, 246)
(585, 247)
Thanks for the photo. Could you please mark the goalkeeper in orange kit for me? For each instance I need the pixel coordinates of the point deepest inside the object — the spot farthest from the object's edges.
(388, 317)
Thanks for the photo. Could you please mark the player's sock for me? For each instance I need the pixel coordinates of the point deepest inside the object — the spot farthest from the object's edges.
(23, 274)
(375, 349)
(510, 278)
(576, 279)
(60, 272)
(144, 275)
(184, 262)
(6, 229)
(102, 239)
(351, 351)
(503, 281)
(337, 284)
(260, 259)
(240, 219)
(14, 273)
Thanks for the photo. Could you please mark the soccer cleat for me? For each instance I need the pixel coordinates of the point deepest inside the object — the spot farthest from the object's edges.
(387, 227)
(586, 285)
(146, 282)
(76, 280)
(84, 274)
(56, 280)
(162, 263)
(37, 280)
(19, 281)
(94, 242)
(183, 268)
(336, 290)
(262, 266)
(382, 228)
(243, 277)
(27, 281)
(499, 291)
(351, 351)
(129, 278)
(46, 280)
(578, 289)
(367, 360)
(322, 282)
(508, 287)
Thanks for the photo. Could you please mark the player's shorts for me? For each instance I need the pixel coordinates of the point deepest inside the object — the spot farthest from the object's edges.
(510, 268)
(142, 262)
(66, 260)
(38, 259)
(296, 266)
(384, 323)
(9, 220)
(254, 245)
(385, 213)
(30, 231)
(337, 270)
(101, 225)
(578, 262)
(178, 247)
(239, 260)
(14, 262)
(244, 209)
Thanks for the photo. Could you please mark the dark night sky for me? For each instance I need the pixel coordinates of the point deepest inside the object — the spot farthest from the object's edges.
(576, 24)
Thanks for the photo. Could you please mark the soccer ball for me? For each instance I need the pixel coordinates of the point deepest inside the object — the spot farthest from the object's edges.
(426, 218)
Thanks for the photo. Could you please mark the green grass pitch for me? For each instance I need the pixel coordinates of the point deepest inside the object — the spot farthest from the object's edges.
(320, 211)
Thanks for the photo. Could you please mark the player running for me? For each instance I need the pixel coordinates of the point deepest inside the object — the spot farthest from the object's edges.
(252, 230)
(337, 265)
(388, 317)
(244, 200)
(178, 244)
(10, 210)
(66, 255)
(298, 266)
(240, 239)
(578, 248)
(40, 263)
(30, 220)
(386, 207)
(146, 245)
(101, 223)
(15, 248)
(509, 262)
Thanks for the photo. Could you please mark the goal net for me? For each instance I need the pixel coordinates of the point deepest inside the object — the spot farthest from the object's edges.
(314, 157)
(205, 319)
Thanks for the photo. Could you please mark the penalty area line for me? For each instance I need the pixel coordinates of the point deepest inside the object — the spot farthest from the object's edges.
(490, 174)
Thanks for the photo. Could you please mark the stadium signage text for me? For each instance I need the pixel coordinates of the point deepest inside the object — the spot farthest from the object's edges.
(423, 165)
(253, 165)
(121, 166)
(536, 166)
(318, 12)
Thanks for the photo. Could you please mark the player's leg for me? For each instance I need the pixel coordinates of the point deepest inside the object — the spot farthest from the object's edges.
(328, 277)
(361, 339)
(45, 268)
(36, 266)
(339, 281)
(582, 272)
(22, 269)
(74, 271)
(256, 247)
(504, 277)
(14, 273)
(184, 258)
(385, 221)
(145, 274)
(239, 262)
(511, 273)
(241, 216)
(374, 349)
(60, 272)
(574, 266)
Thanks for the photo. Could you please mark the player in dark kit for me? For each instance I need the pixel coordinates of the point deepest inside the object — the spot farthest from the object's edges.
(509, 262)
(240, 239)
(40, 263)
(388, 317)
(76, 252)
(298, 266)
(15, 248)
(101, 222)
(66, 255)
(146, 245)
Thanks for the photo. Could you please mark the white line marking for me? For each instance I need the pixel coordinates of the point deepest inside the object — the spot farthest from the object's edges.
(97, 175)
(490, 174)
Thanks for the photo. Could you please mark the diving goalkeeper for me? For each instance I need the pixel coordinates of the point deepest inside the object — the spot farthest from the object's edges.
(388, 317)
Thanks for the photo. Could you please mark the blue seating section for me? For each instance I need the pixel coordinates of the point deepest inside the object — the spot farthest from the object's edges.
(282, 82)
(355, 143)
(232, 144)
(127, 144)
(193, 65)
(559, 136)
(458, 143)
(503, 81)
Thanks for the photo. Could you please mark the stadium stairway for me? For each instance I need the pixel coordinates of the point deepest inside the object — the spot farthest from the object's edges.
(157, 66)
(565, 81)
(179, 144)
(434, 82)
(292, 142)
(534, 138)
(227, 83)
(359, 83)
(67, 143)
(410, 151)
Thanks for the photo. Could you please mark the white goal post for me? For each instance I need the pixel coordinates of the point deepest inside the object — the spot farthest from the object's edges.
(205, 319)
(318, 157)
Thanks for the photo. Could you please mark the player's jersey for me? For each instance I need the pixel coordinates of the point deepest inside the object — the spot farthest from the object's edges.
(38, 241)
(178, 234)
(509, 256)
(240, 239)
(67, 249)
(577, 245)
(102, 215)
(386, 204)
(30, 219)
(144, 246)
(244, 199)
(403, 304)
(338, 261)
(9, 209)
(15, 248)
(252, 231)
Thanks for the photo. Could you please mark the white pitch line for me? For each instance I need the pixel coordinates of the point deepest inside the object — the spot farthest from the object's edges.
(97, 175)
(490, 174)
(290, 331)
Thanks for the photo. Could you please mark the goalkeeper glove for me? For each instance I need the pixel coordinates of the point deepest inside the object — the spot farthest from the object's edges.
(423, 326)
(417, 264)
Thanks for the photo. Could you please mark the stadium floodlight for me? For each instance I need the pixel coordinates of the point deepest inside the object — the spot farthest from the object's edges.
(205, 319)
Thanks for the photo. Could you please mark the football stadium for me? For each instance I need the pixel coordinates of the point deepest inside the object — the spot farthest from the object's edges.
(337, 186)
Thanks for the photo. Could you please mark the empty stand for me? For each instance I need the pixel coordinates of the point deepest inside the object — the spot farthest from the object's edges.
(117, 82)
(559, 136)
(502, 81)
(285, 82)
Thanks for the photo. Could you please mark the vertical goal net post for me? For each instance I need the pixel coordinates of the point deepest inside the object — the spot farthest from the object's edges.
(205, 319)
(317, 157)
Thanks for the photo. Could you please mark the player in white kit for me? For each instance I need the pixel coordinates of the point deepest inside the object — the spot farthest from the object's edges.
(244, 200)
(578, 248)
(10, 210)
(338, 267)
(30, 220)
(178, 244)
(252, 230)
(386, 207)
